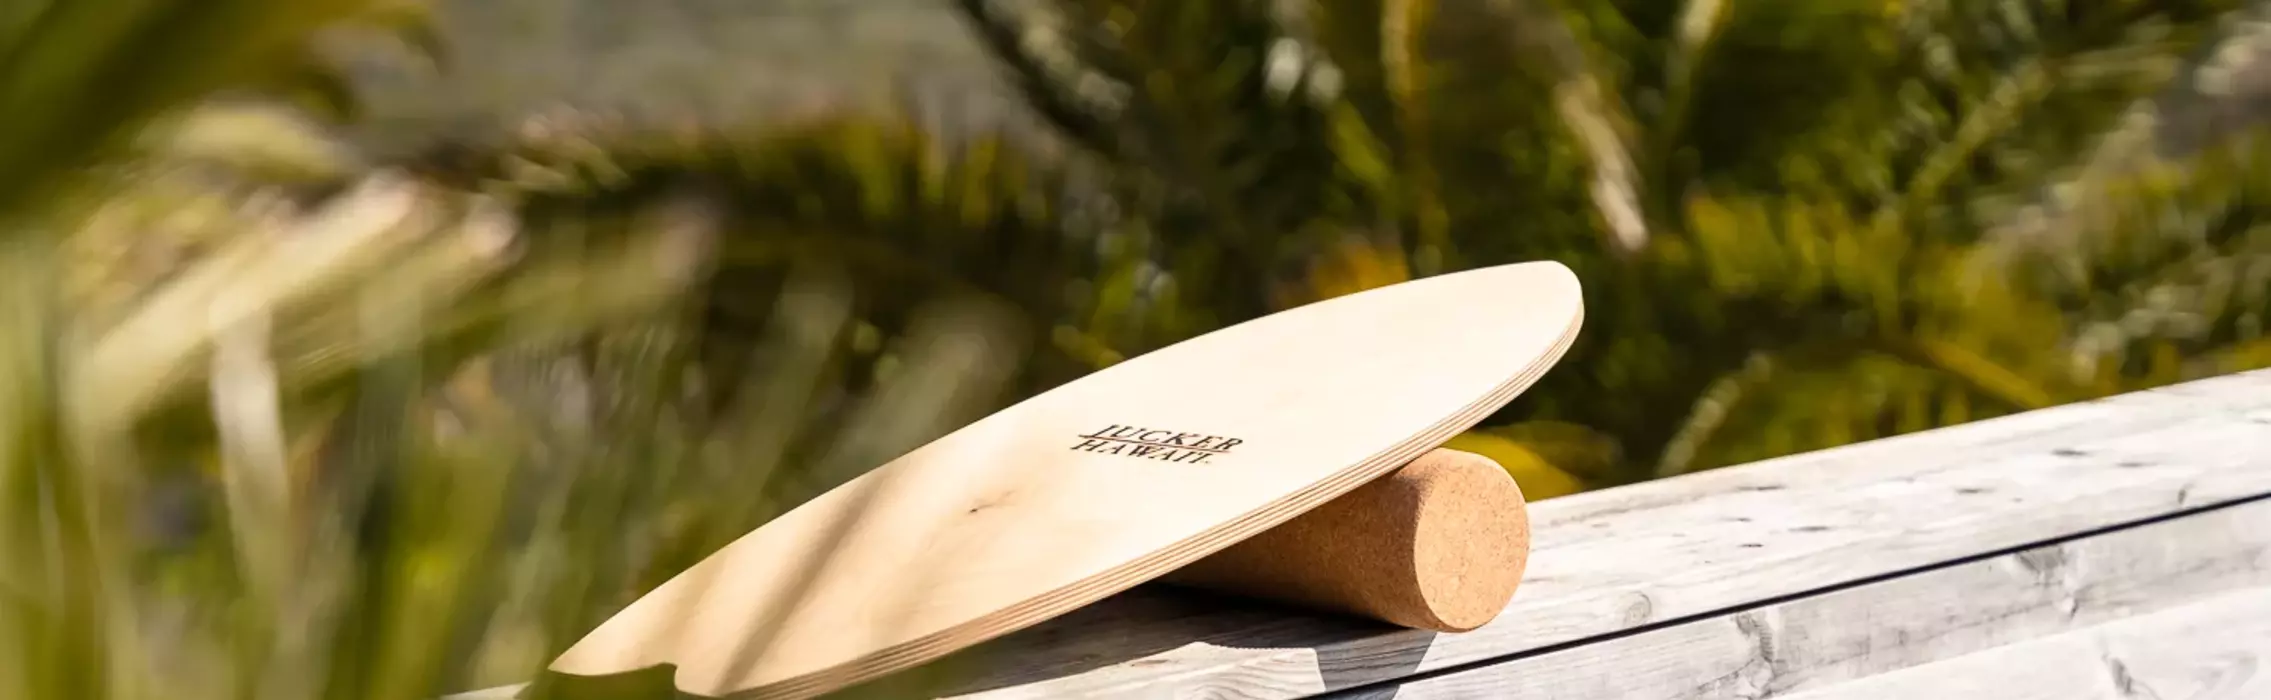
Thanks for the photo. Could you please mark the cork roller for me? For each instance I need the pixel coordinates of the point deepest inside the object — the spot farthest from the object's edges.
(1440, 544)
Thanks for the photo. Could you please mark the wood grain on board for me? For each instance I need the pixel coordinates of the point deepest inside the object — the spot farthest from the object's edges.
(1093, 487)
(1610, 562)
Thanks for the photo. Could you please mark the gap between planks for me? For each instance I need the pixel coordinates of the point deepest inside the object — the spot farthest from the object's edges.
(1822, 640)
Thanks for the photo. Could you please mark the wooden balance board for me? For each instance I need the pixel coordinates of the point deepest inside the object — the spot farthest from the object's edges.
(1094, 487)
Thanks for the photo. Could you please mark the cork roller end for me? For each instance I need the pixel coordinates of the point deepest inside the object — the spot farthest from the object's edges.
(1439, 544)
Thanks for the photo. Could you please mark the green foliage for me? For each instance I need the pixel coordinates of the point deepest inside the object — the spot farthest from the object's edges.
(282, 418)
(1772, 204)
(149, 58)
(280, 423)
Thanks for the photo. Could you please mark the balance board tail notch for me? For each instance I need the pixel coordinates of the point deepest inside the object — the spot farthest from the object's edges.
(1440, 544)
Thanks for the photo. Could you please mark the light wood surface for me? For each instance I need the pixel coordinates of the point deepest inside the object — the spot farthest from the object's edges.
(1439, 544)
(2217, 649)
(1909, 622)
(1094, 487)
(1607, 563)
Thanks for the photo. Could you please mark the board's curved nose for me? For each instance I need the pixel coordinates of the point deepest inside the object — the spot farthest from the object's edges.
(1555, 278)
(1548, 291)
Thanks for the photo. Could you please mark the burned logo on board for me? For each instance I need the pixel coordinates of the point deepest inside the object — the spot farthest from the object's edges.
(1153, 443)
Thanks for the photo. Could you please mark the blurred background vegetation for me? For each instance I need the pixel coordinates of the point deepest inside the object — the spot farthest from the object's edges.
(378, 348)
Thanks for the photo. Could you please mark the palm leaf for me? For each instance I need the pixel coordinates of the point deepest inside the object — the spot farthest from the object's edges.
(150, 56)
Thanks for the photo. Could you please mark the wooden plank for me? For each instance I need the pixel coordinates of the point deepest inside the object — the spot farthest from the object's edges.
(1617, 560)
(2218, 649)
(1934, 615)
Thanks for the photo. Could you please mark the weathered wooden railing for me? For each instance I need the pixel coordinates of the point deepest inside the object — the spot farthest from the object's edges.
(2119, 548)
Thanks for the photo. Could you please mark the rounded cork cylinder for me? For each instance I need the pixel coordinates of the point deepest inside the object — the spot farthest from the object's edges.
(1439, 544)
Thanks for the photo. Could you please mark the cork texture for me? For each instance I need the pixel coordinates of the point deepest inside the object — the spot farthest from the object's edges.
(1439, 544)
